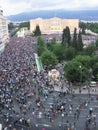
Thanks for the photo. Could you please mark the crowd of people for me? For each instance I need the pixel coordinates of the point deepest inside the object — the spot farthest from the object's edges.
(22, 89)
(17, 74)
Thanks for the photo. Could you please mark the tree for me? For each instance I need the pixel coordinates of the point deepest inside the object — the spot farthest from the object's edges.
(94, 60)
(50, 45)
(90, 50)
(94, 66)
(41, 46)
(10, 26)
(74, 42)
(66, 37)
(69, 53)
(90, 26)
(58, 50)
(72, 71)
(82, 27)
(79, 42)
(37, 31)
(83, 31)
(14, 32)
(95, 71)
(84, 60)
(96, 43)
(49, 59)
(24, 24)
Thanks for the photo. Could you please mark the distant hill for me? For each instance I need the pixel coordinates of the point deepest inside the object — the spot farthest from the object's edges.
(88, 15)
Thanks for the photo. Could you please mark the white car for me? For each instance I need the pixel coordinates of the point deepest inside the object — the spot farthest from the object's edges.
(93, 84)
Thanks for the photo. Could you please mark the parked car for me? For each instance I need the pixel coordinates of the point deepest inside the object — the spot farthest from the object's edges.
(93, 84)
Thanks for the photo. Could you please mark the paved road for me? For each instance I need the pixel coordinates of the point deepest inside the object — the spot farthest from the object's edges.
(59, 123)
(56, 111)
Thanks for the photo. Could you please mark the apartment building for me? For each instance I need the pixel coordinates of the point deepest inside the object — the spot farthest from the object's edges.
(3, 28)
(54, 25)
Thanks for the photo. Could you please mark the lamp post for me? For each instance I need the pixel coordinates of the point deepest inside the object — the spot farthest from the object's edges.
(90, 76)
(80, 78)
(62, 119)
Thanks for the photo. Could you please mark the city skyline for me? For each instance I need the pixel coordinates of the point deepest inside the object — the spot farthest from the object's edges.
(15, 7)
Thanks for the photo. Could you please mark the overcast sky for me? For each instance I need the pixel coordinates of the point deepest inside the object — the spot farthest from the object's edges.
(11, 7)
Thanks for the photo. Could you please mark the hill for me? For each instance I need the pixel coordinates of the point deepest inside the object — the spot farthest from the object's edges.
(88, 15)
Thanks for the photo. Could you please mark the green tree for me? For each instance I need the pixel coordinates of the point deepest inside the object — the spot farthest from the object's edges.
(94, 60)
(14, 32)
(50, 45)
(24, 24)
(96, 43)
(58, 50)
(37, 31)
(49, 59)
(83, 31)
(10, 26)
(82, 27)
(66, 37)
(41, 46)
(69, 53)
(95, 71)
(74, 41)
(73, 72)
(90, 50)
(79, 42)
(84, 60)
(94, 66)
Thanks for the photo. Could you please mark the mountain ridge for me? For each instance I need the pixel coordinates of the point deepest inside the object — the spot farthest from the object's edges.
(87, 15)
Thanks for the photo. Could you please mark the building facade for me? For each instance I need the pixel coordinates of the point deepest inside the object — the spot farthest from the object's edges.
(23, 32)
(3, 28)
(54, 25)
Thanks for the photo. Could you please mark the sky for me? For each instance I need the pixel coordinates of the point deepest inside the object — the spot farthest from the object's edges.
(11, 7)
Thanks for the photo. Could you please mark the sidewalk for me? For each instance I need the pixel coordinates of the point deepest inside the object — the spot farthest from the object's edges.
(85, 91)
(2, 46)
(93, 90)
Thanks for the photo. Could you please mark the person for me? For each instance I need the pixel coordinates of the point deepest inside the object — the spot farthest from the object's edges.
(94, 124)
(90, 111)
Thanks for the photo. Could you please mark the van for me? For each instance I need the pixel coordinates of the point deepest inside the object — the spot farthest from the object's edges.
(0, 126)
(93, 84)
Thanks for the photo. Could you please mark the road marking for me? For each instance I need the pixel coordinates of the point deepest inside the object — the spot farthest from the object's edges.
(47, 125)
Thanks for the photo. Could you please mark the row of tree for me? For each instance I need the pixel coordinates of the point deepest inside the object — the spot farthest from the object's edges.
(53, 53)
(90, 26)
(82, 66)
(13, 29)
(74, 41)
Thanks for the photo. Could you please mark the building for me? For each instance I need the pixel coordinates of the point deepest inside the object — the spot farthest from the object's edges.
(23, 32)
(3, 28)
(53, 25)
(89, 39)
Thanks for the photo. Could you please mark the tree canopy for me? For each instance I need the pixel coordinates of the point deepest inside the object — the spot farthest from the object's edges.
(37, 31)
(41, 46)
(66, 37)
(90, 26)
(49, 59)
(74, 73)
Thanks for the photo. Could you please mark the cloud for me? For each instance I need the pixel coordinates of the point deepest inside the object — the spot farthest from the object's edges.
(17, 6)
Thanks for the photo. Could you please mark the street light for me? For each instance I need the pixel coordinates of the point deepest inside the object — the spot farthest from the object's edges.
(80, 78)
(62, 119)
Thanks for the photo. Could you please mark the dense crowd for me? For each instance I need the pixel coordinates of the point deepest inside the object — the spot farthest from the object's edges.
(22, 89)
(17, 76)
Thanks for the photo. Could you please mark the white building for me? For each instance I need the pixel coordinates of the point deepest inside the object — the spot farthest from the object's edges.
(3, 28)
(23, 32)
